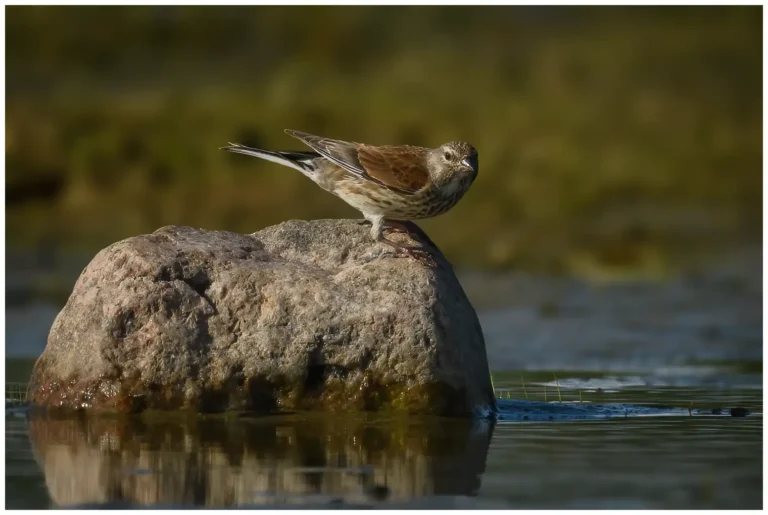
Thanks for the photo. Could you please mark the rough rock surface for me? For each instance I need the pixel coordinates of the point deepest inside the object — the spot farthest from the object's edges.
(302, 315)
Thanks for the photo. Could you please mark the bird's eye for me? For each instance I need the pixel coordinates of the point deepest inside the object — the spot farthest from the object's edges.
(447, 156)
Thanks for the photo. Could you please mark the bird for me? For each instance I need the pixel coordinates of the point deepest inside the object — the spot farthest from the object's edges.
(390, 185)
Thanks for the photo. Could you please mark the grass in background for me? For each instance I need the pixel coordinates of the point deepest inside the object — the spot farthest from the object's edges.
(18, 370)
(610, 138)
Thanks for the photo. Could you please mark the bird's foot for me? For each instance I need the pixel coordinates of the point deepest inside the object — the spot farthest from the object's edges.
(409, 228)
(420, 255)
(394, 226)
(417, 253)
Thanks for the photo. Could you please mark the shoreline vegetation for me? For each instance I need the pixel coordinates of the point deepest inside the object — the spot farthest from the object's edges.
(625, 139)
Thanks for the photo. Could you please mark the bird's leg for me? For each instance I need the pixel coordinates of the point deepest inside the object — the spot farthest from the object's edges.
(377, 224)
(377, 232)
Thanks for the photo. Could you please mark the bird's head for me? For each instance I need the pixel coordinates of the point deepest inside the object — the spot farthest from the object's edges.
(456, 159)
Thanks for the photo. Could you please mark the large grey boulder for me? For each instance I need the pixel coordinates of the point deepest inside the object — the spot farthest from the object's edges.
(302, 315)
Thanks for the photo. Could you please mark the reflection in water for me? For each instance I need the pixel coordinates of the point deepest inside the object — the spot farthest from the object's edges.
(313, 458)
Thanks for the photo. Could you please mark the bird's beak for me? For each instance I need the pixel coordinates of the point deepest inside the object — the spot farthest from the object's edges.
(468, 163)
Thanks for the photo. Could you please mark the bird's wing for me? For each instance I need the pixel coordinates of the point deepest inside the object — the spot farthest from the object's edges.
(401, 169)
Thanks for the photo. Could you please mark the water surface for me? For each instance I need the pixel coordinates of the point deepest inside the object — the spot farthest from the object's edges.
(624, 395)
(619, 447)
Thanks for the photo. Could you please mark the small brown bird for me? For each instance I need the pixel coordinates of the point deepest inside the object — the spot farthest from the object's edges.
(384, 183)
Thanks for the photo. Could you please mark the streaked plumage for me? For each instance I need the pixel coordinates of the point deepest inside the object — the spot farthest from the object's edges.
(382, 182)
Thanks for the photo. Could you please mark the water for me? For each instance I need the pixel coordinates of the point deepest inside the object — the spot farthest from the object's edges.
(566, 456)
(630, 395)
(659, 463)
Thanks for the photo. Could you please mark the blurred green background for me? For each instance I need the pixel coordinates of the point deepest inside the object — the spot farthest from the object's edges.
(610, 138)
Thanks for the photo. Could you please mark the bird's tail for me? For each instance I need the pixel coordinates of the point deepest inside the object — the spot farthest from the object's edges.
(301, 161)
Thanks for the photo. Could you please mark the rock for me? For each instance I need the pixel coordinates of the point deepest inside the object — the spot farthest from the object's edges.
(302, 315)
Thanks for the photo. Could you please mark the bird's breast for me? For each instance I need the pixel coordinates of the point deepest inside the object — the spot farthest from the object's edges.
(452, 187)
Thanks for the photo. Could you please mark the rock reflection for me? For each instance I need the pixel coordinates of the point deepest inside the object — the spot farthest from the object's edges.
(295, 459)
